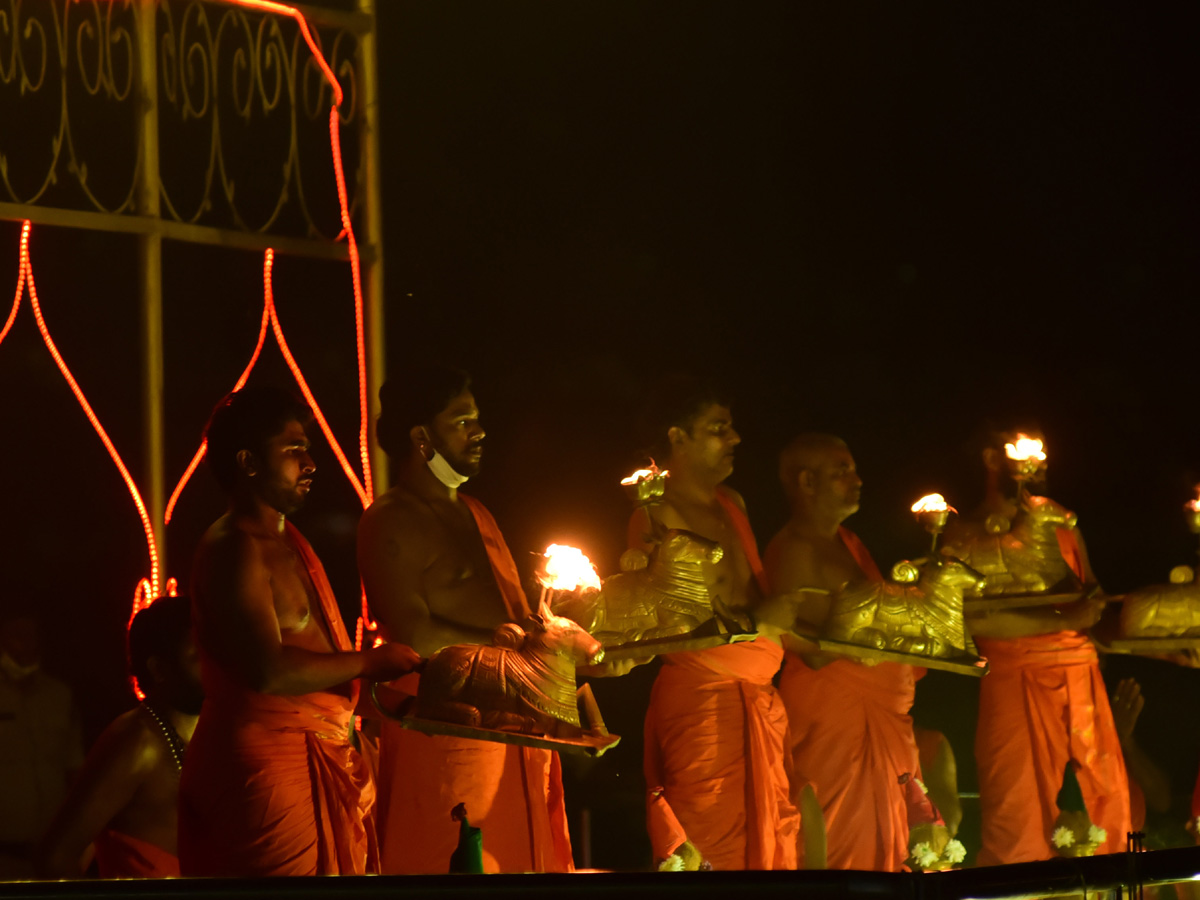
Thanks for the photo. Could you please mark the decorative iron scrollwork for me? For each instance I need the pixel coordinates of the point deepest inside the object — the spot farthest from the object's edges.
(242, 112)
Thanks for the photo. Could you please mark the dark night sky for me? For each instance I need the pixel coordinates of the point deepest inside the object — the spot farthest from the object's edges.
(885, 220)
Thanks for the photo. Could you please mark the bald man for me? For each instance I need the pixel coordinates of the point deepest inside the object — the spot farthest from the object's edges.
(852, 738)
(715, 751)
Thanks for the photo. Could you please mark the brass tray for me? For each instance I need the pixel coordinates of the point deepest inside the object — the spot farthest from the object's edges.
(1053, 597)
(966, 664)
(713, 633)
(594, 741)
(1152, 645)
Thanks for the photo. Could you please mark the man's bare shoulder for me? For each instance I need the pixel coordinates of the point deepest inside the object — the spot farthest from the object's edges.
(790, 545)
(227, 545)
(397, 515)
(131, 740)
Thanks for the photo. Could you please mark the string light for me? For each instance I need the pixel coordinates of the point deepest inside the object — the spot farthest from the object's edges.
(147, 527)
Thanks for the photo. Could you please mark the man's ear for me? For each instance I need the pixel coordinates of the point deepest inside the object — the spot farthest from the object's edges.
(419, 435)
(247, 463)
(993, 459)
(675, 435)
(806, 479)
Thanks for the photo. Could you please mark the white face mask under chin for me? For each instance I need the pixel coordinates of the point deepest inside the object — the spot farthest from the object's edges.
(444, 472)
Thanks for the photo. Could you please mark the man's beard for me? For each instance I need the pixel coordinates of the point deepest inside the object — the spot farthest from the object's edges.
(465, 465)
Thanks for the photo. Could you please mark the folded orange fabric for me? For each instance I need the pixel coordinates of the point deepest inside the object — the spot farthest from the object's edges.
(271, 784)
(1042, 703)
(715, 753)
(852, 740)
(120, 855)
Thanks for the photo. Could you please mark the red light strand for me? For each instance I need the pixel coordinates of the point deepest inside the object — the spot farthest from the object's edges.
(12, 315)
(151, 545)
(241, 383)
(268, 265)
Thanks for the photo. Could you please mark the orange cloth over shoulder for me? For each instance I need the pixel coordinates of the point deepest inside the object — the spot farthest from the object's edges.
(715, 760)
(120, 855)
(514, 794)
(852, 740)
(1042, 703)
(271, 784)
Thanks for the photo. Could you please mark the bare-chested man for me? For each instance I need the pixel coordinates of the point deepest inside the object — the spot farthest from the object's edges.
(715, 728)
(1042, 703)
(852, 738)
(126, 800)
(272, 784)
(437, 572)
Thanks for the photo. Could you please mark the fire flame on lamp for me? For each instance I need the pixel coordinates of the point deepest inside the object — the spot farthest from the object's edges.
(566, 569)
(1025, 448)
(1191, 510)
(933, 512)
(1025, 457)
(646, 486)
(644, 474)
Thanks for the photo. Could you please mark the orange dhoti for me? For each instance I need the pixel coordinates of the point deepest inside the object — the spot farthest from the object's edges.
(271, 784)
(852, 740)
(715, 745)
(120, 855)
(514, 794)
(1043, 703)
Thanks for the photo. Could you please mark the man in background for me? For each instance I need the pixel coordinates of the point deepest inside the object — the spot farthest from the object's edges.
(125, 802)
(41, 743)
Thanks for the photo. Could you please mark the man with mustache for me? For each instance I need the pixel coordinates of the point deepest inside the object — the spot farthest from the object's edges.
(852, 738)
(273, 783)
(437, 572)
(715, 760)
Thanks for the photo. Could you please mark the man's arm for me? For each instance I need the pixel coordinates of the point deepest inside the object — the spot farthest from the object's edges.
(394, 553)
(243, 632)
(793, 567)
(112, 773)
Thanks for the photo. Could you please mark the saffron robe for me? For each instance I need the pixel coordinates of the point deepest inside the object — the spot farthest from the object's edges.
(513, 794)
(715, 749)
(271, 784)
(852, 740)
(1043, 703)
(120, 855)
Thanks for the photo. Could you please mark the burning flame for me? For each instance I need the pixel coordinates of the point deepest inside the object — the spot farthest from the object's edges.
(932, 503)
(568, 569)
(1194, 504)
(1024, 448)
(644, 474)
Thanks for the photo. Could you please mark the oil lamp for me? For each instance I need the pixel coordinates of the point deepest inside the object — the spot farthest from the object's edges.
(645, 486)
(932, 512)
(1191, 512)
(565, 569)
(1025, 456)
